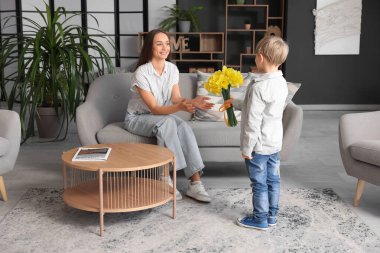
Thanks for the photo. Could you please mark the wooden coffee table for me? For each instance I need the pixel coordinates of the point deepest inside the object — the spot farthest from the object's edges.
(133, 178)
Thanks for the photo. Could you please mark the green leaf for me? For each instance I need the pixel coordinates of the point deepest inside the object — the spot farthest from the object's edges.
(50, 66)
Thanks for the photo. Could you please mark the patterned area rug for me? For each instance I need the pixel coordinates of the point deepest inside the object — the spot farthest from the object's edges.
(310, 220)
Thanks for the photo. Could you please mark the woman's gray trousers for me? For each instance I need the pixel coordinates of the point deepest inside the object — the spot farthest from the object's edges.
(171, 132)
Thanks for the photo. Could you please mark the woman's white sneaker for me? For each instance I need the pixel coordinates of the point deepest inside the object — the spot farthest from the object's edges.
(178, 195)
(197, 191)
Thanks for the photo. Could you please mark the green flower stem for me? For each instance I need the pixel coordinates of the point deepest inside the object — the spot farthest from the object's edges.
(231, 117)
(230, 111)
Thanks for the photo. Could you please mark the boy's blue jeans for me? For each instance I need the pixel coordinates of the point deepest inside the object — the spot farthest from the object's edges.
(264, 173)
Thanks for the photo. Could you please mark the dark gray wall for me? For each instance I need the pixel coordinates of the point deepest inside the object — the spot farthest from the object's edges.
(212, 17)
(334, 79)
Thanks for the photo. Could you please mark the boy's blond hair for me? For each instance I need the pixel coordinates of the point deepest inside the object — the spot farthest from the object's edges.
(274, 49)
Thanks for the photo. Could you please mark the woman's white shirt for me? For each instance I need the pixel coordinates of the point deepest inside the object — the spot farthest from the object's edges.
(146, 78)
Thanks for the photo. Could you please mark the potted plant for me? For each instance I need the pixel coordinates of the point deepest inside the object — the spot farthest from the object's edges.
(7, 50)
(53, 65)
(186, 18)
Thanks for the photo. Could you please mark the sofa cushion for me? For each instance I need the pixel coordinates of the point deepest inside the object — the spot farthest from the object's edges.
(366, 151)
(187, 86)
(215, 134)
(115, 133)
(208, 134)
(4, 146)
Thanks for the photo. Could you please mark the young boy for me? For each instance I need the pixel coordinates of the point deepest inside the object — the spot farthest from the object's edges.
(261, 132)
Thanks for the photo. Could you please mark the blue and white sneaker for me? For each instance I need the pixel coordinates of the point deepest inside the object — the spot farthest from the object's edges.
(248, 222)
(272, 221)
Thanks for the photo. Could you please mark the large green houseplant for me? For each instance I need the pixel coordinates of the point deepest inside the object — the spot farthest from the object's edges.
(7, 51)
(176, 14)
(53, 66)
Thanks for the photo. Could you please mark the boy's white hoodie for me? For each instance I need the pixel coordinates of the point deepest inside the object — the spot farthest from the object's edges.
(262, 110)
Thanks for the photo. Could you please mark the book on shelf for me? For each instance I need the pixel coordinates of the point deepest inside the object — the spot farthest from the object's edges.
(91, 154)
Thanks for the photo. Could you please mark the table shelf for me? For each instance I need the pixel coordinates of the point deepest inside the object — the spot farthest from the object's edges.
(131, 194)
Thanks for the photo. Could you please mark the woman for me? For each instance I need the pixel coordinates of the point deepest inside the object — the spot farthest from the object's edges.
(156, 96)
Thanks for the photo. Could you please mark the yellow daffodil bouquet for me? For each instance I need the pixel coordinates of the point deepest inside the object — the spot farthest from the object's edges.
(221, 82)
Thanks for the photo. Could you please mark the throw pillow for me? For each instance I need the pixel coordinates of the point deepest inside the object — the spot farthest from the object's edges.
(214, 114)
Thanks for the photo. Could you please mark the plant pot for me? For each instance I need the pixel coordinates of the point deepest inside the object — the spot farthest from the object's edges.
(247, 26)
(240, 1)
(48, 123)
(184, 26)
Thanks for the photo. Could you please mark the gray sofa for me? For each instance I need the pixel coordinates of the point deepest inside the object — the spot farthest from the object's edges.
(100, 120)
(359, 142)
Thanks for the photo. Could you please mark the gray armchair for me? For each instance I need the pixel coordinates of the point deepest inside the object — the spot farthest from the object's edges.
(10, 136)
(359, 143)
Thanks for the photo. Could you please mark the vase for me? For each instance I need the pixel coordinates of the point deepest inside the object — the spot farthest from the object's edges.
(184, 26)
(48, 122)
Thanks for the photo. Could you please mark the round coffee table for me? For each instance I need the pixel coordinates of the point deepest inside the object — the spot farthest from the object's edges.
(134, 177)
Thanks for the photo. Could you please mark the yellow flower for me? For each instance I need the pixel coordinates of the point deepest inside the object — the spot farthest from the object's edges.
(220, 83)
(213, 88)
(222, 79)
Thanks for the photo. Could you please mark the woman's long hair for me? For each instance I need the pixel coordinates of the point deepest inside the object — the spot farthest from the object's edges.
(147, 49)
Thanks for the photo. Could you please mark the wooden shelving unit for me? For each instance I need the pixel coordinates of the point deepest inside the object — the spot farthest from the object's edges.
(195, 50)
(263, 15)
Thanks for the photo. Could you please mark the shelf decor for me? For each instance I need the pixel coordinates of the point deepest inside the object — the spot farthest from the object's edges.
(246, 24)
(220, 83)
(194, 51)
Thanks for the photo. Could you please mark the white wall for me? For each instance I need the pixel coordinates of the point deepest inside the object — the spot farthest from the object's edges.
(6, 5)
(156, 13)
(69, 5)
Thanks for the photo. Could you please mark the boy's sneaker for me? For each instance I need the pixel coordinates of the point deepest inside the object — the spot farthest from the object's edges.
(197, 191)
(178, 195)
(248, 222)
(272, 221)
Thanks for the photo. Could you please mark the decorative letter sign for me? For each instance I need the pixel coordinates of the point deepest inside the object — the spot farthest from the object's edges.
(181, 44)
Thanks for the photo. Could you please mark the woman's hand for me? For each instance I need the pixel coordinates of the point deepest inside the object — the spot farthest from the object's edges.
(186, 106)
(201, 103)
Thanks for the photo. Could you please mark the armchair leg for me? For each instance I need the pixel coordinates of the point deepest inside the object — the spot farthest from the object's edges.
(359, 191)
(3, 192)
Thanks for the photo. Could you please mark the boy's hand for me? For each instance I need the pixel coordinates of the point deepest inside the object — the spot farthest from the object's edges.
(228, 103)
(246, 157)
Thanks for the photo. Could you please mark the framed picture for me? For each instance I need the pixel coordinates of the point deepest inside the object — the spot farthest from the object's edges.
(337, 27)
